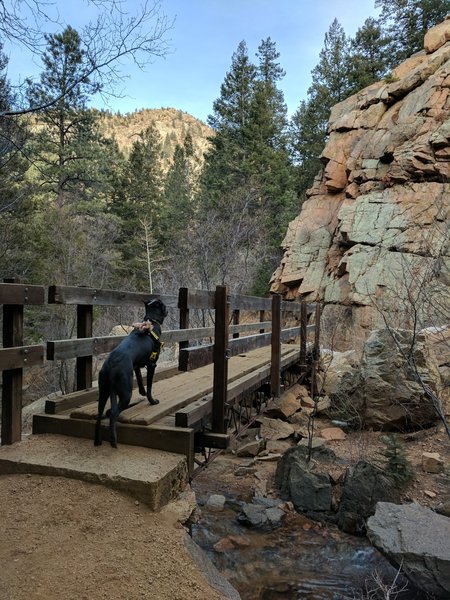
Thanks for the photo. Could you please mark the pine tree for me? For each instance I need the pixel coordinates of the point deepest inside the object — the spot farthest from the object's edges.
(308, 135)
(396, 464)
(330, 85)
(329, 77)
(224, 161)
(406, 22)
(13, 136)
(268, 160)
(75, 169)
(178, 196)
(15, 190)
(268, 122)
(231, 108)
(68, 144)
(368, 55)
(250, 150)
(138, 201)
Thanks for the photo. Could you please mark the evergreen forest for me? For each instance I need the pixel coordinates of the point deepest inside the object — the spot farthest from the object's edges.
(75, 210)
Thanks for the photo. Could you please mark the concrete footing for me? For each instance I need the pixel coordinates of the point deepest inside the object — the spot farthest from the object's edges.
(152, 477)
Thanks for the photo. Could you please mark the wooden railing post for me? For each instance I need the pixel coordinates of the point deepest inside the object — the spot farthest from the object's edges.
(303, 333)
(13, 298)
(222, 309)
(275, 369)
(236, 320)
(12, 379)
(262, 315)
(183, 293)
(84, 330)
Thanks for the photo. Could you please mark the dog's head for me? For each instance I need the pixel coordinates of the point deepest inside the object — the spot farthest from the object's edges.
(155, 310)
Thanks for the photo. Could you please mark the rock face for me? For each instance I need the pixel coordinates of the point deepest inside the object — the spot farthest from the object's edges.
(375, 223)
(416, 538)
(382, 393)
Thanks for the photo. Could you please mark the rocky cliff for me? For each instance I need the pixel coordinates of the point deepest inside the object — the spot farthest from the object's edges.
(373, 233)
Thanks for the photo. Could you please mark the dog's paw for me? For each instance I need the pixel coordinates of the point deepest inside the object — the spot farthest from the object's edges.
(97, 442)
(153, 401)
(143, 392)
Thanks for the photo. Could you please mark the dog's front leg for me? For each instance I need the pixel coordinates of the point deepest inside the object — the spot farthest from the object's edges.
(140, 381)
(150, 372)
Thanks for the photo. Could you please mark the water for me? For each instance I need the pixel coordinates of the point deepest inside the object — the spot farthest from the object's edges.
(300, 560)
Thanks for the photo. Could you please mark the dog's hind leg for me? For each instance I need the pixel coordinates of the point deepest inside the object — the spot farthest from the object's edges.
(103, 396)
(113, 414)
(125, 387)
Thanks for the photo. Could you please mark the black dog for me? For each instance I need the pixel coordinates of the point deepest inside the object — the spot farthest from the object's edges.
(139, 349)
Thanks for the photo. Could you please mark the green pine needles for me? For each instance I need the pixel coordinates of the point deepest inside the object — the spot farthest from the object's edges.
(395, 462)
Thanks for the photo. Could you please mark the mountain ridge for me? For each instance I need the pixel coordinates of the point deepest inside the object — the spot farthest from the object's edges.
(172, 125)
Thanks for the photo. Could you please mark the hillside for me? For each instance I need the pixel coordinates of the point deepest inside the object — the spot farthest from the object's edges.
(172, 125)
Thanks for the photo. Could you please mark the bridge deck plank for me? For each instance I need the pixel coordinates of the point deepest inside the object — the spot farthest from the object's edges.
(184, 388)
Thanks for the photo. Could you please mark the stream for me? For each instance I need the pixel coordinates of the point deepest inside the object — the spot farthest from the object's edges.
(298, 560)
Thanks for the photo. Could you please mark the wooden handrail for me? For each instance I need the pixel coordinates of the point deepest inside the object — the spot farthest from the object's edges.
(199, 356)
(21, 356)
(77, 347)
(195, 299)
(59, 294)
(15, 356)
(18, 293)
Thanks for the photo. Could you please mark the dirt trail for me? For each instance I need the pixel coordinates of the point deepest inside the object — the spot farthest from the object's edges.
(62, 539)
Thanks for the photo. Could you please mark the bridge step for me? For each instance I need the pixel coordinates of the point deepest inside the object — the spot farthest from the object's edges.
(73, 400)
(179, 440)
(152, 477)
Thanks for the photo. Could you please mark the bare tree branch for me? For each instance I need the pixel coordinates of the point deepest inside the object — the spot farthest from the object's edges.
(114, 37)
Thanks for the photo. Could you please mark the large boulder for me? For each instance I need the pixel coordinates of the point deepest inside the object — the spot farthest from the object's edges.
(372, 229)
(364, 486)
(416, 539)
(333, 366)
(437, 343)
(309, 491)
(384, 392)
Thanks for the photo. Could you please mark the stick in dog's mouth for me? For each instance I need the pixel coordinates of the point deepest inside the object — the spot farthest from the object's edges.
(143, 326)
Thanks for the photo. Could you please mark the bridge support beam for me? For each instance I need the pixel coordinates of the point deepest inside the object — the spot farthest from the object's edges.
(275, 371)
(222, 306)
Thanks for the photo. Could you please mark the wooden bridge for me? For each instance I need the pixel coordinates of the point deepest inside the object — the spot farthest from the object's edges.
(210, 395)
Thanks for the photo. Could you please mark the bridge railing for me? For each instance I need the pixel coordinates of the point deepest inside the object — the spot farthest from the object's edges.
(227, 329)
(14, 356)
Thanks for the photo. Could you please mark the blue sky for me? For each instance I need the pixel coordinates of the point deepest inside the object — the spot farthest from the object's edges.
(205, 35)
